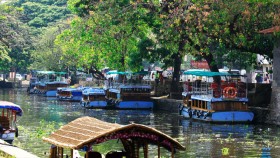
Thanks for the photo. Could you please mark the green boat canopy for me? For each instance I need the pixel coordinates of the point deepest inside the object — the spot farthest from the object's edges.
(141, 73)
(116, 73)
(206, 73)
(51, 72)
(45, 72)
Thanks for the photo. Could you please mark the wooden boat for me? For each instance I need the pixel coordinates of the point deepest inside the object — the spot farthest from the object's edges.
(130, 95)
(9, 112)
(32, 84)
(87, 132)
(48, 82)
(94, 98)
(209, 101)
(70, 94)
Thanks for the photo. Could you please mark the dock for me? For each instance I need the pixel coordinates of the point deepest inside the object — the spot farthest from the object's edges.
(10, 151)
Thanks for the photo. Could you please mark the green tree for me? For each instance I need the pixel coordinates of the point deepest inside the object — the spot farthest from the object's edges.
(42, 13)
(14, 39)
(47, 55)
(212, 29)
(104, 36)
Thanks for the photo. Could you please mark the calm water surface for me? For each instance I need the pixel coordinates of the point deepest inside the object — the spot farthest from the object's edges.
(42, 115)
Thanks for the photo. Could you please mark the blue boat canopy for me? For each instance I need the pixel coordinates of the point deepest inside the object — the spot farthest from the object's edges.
(11, 106)
(206, 73)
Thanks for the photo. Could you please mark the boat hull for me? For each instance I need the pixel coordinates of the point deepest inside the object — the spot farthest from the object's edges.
(8, 137)
(135, 105)
(50, 93)
(75, 96)
(221, 116)
(95, 104)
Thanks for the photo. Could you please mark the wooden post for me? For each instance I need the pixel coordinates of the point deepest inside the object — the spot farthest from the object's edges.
(158, 150)
(172, 152)
(60, 152)
(53, 152)
(145, 150)
(71, 153)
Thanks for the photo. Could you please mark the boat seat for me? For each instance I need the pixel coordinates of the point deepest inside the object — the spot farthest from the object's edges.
(94, 154)
(116, 154)
(4, 122)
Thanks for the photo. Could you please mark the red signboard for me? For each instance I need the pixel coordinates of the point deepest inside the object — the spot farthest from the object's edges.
(199, 64)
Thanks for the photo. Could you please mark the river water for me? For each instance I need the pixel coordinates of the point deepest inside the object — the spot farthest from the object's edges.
(43, 115)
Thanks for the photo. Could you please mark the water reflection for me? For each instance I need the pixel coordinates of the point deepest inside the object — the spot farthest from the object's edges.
(201, 139)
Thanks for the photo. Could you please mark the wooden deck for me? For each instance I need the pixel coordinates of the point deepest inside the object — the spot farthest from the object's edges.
(9, 151)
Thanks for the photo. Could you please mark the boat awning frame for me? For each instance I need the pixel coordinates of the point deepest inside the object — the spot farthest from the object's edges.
(11, 106)
(86, 131)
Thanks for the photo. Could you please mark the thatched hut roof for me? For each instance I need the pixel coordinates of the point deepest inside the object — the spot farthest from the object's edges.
(87, 131)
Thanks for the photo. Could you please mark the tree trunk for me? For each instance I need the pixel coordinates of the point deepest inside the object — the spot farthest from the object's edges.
(176, 73)
(177, 67)
(213, 67)
(274, 115)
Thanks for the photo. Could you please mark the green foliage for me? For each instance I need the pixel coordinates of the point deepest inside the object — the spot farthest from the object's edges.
(43, 13)
(45, 128)
(46, 55)
(103, 38)
(14, 39)
(166, 31)
(35, 16)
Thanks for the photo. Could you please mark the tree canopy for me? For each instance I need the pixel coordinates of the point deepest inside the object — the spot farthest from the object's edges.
(214, 30)
(125, 33)
(22, 25)
(14, 39)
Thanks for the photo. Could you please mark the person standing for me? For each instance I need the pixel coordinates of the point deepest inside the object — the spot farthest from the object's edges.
(157, 77)
(266, 79)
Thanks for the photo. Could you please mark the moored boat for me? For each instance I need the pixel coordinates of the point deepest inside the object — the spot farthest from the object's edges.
(70, 94)
(94, 98)
(130, 94)
(48, 82)
(214, 102)
(131, 97)
(9, 113)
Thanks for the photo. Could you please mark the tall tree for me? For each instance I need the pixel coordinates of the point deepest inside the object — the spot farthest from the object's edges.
(106, 33)
(14, 39)
(210, 29)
